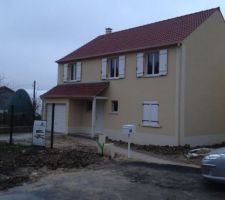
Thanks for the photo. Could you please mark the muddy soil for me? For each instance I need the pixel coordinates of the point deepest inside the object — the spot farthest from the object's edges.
(19, 163)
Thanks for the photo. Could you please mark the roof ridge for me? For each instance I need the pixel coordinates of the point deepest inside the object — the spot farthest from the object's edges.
(164, 20)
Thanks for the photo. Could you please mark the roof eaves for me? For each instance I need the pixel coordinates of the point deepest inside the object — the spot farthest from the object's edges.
(67, 96)
(58, 61)
(118, 52)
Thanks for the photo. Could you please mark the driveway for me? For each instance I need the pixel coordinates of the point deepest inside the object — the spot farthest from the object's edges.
(16, 137)
(120, 180)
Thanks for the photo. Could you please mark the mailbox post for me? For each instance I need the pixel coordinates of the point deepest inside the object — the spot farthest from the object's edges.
(129, 129)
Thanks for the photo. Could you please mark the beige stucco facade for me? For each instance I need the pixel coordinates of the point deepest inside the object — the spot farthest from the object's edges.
(191, 96)
(130, 92)
(203, 87)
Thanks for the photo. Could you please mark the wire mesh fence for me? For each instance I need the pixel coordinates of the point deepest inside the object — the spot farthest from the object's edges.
(20, 122)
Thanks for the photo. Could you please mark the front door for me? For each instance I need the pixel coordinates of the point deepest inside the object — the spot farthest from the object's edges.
(99, 119)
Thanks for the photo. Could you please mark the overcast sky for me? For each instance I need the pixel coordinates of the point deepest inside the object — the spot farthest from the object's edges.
(35, 33)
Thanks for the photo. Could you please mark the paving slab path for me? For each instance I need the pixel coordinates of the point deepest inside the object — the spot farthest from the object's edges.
(140, 156)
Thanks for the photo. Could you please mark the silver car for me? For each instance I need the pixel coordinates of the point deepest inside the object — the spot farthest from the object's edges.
(213, 165)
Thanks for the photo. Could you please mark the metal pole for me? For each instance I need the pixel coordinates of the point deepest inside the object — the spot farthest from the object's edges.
(52, 127)
(11, 124)
(34, 100)
(93, 117)
(128, 153)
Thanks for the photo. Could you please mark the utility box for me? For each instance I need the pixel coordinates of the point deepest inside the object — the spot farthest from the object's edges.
(129, 129)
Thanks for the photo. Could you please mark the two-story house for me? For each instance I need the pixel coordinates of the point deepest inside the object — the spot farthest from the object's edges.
(167, 78)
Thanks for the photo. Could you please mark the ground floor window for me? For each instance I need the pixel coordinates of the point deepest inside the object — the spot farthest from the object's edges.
(115, 106)
(89, 106)
(150, 113)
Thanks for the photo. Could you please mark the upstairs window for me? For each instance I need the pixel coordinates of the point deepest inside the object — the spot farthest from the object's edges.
(152, 67)
(72, 72)
(114, 67)
(152, 63)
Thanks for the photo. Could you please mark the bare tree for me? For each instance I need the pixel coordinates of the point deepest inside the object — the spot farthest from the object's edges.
(1, 80)
(37, 103)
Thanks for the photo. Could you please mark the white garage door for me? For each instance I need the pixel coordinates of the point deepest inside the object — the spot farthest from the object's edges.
(59, 120)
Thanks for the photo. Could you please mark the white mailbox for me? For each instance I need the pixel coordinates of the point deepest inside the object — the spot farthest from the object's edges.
(129, 129)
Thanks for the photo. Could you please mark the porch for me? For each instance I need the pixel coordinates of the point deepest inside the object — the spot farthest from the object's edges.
(79, 108)
(86, 116)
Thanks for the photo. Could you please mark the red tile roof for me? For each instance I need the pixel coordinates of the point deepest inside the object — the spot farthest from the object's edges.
(159, 34)
(76, 90)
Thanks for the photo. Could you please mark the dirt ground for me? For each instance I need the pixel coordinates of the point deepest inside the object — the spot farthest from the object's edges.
(172, 153)
(24, 163)
(20, 163)
(73, 170)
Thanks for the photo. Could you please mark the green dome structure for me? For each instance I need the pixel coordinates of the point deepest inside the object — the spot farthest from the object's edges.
(23, 111)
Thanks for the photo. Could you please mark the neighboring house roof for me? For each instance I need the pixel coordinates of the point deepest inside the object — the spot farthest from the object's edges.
(6, 95)
(4, 88)
(159, 34)
(76, 90)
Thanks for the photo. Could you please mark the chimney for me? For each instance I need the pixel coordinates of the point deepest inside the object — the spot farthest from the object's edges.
(108, 30)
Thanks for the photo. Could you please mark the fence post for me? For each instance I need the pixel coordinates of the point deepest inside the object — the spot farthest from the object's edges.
(52, 125)
(11, 124)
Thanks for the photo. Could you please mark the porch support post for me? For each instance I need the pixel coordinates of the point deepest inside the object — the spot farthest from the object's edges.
(93, 117)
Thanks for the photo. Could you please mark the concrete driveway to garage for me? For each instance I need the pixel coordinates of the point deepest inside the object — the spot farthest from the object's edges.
(17, 137)
(120, 180)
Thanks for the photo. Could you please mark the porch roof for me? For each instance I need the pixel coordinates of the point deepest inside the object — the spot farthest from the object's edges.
(76, 90)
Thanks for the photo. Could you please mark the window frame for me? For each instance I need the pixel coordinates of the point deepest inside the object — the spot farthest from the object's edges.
(147, 55)
(73, 72)
(115, 68)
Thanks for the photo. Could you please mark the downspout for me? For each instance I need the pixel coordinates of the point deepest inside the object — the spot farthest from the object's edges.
(178, 93)
(93, 117)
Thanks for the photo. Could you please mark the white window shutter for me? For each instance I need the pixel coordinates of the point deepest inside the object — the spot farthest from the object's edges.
(65, 72)
(73, 70)
(122, 66)
(163, 62)
(150, 113)
(140, 65)
(146, 113)
(78, 71)
(154, 120)
(104, 69)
